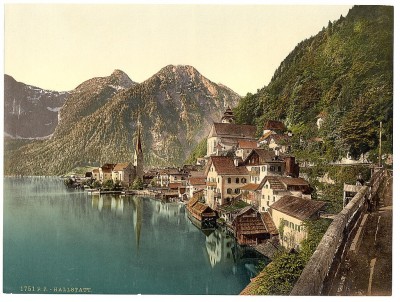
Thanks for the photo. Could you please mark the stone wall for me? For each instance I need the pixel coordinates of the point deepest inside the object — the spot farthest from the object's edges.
(324, 263)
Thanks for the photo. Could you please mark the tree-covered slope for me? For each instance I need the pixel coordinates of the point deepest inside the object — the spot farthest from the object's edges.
(344, 75)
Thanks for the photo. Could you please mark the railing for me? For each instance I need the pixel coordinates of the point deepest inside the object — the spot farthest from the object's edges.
(324, 263)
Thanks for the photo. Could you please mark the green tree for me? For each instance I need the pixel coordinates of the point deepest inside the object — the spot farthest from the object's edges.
(137, 184)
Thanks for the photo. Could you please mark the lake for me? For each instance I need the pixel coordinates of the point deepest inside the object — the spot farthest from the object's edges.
(57, 240)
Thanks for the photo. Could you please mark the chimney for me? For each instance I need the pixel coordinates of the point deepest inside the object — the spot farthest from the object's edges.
(236, 161)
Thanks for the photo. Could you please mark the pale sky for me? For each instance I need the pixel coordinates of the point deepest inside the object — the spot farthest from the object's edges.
(59, 46)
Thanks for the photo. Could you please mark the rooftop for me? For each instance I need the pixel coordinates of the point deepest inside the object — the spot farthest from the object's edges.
(297, 207)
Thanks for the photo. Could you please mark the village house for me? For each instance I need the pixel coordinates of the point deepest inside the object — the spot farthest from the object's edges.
(96, 174)
(251, 227)
(244, 148)
(225, 136)
(224, 178)
(261, 163)
(275, 137)
(123, 173)
(105, 172)
(196, 182)
(273, 188)
(289, 214)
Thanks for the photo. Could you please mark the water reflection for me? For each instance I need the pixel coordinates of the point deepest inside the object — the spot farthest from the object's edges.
(137, 219)
(55, 236)
(219, 247)
(114, 203)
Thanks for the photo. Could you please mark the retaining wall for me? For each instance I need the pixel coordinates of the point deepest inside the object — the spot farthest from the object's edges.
(324, 263)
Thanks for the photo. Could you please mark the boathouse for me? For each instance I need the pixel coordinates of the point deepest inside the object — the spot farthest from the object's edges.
(252, 228)
(201, 212)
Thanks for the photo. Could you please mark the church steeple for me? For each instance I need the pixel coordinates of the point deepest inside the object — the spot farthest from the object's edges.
(138, 155)
(228, 117)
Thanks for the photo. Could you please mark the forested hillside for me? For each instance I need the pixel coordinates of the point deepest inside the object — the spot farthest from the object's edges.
(343, 75)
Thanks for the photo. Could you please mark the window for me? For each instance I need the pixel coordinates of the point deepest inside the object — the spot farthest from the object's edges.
(268, 197)
(229, 191)
(229, 180)
(237, 191)
(279, 169)
(237, 180)
(272, 168)
(263, 168)
(263, 209)
(244, 180)
(263, 197)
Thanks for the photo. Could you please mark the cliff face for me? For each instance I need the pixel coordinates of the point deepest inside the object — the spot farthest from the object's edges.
(98, 122)
(30, 112)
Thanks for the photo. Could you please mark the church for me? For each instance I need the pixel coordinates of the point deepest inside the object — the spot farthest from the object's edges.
(125, 172)
(226, 135)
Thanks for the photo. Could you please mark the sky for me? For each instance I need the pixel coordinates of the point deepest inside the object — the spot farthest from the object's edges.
(58, 46)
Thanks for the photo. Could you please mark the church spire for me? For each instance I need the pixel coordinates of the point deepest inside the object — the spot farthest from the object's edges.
(138, 154)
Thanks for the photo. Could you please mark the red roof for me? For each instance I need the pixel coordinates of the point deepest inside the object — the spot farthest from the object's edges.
(174, 185)
(247, 144)
(250, 187)
(197, 181)
(225, 165)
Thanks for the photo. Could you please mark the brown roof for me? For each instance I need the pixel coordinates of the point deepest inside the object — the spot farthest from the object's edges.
(95, 171)
(297, 207)
(250, 187)
(197, 181)
(108, 166)
(247, 144)
(174, 185)
(269, 223)
(274, 125)
(224, 165)
(265, 156)
(120, 166)
(250, 225)
(235, 130)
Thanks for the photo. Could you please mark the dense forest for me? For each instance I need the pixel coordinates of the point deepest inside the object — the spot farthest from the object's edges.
(344, 76)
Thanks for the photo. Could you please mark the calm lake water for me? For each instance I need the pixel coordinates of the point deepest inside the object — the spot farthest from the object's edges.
(61, 240)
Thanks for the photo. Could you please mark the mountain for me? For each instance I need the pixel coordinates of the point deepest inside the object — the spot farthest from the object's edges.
(30, 112)
(99, 120)
(342, 76)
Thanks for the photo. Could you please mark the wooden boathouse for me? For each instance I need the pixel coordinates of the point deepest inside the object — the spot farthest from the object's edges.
(252, 228)
(201, 212)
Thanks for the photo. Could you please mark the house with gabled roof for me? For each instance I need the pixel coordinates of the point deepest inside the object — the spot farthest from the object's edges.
(196, 182)
(252, 228)
(275, 137)
(105, 171)
(275, 187)
(289, 214)
(224, 177)
(244, 147)
(224, 136)
(123, 173)
(261, 162)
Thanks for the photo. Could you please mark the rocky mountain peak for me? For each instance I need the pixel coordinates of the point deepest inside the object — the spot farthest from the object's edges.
(120, 78)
